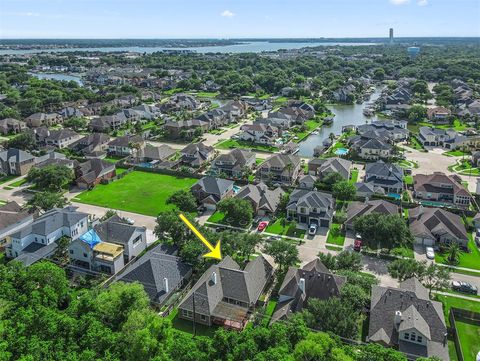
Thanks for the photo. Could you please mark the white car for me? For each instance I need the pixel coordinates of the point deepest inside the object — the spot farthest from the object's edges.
(312, 230)
(430, 252)
(129, 221)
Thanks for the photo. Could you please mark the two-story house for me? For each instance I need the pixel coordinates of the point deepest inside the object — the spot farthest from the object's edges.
(62, 138)
(235, 164)
(225, 294)
(197, 154)
(91, 145)
(385, 175)
(280, 168)
(209, 191)
(124, 146)
(259, 133)
(12, 126)
(311, 207)
(37, 240)
(440, 187)
(16, 162)
(264, 200)
(12, 218)
(90, 173)
(372, 146)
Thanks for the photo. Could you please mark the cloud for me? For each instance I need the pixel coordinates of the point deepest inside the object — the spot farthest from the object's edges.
(227, 14)
(399, 2)
(422, 2)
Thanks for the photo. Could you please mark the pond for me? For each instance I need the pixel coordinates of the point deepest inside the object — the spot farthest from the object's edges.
(344, 115)
(57, 76)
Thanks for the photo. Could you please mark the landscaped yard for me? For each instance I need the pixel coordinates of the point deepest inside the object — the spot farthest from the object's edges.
(311, 125)
(18, 183)
(187, 326)
(217, 217)
(469, 335)
(466, 260)
(335, 235)
(354, 176)
(289, 229)
(138, 192)
(7, 178)
(403, 251)
(464, 167)
(455, 153)
(269, 312)
(408, 180)
(233, 143)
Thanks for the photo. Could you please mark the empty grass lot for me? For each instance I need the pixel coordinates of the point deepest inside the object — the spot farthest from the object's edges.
(138, 192)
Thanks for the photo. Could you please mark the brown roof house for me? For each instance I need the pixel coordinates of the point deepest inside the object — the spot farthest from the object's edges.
(280, 168)
(406, 318)
(92, 172)
(313, 280)
(264, 200)
(438, 114)
(225, 294)
(434, 226)
(12, 218)
(440, 187)
(12, 126)
(16, 162)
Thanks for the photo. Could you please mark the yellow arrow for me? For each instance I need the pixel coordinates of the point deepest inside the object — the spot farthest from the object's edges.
(214, 251)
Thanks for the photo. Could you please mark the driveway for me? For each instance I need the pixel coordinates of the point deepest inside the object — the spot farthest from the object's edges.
(419, 253)
(313, 245)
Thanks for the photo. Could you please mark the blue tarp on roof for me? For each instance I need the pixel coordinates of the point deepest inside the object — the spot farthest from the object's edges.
(91, 238)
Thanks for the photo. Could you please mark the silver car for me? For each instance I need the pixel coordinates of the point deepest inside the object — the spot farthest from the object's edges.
(430, 252)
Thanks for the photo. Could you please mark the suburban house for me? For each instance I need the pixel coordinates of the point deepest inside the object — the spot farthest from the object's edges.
(37, 240)
(438, 114)
(264, 201)
(61, 138)
(440, 187)
(405, 318)
(311, 207)
(116, 230)
(435, 226)
(185, 128)
(313, 280)
(39, 119)
(476, 158)
(123, 146)
(366, 190)
(307, 181)
(446, 138)
(12, 126)
(12, 218)
(358, 209)
(92, 172)
(91, 145)
(395, 130)
(235, 164)
(371, 146)
(322, 167)
(70, 112)
(385, 175)
(91, 253)
(107, 123)
(180, 102)
(54, 158)
(16, 162)
(259, 133)
(196, 154)
(345, 94)
(280, 168)
(155, 154)
(225, 294)
(161, 274)
(210, 190)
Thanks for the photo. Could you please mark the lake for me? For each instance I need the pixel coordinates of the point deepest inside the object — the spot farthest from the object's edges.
(344, 115)
(250, 47)
(56, 76)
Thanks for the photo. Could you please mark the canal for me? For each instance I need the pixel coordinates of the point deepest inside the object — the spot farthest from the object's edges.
(344, 115)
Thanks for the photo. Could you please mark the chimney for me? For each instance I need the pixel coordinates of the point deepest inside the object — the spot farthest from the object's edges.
(165, 284)
(301, 285)
(397, 319)
(213, 278)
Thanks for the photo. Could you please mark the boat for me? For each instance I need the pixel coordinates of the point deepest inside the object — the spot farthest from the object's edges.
(315, 132)
(328, 120)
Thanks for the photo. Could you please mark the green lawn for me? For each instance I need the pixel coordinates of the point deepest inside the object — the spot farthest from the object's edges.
(455, 153)
(452, 301)
(7, 178)
(269, 312)
(19, 183)
(466, 260)
(469, 335)
(206, 94)
(288, 230)
(331, 247)
(233, 143)
(138, 192)
(354, 176)
(311, 125)
(217, 217)
(187, 326)
(415, 144)
(408, 179)
(120, 170)
(335, 235)
(403, 251)
(112, 159)
(464, 167)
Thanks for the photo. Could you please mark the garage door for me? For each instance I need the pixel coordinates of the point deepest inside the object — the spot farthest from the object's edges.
(324, 223)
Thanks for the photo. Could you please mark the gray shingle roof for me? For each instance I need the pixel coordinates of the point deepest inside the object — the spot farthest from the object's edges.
(261, 196)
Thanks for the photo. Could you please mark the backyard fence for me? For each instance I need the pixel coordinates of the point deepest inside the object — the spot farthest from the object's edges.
(460, 314)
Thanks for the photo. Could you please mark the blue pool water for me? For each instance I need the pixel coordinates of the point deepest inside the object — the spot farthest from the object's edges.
(236, 189)
(394, 195)
(145, 165)
(341, 151)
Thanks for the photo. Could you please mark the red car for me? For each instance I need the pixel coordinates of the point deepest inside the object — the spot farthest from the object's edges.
(357, 244)
(262, 225)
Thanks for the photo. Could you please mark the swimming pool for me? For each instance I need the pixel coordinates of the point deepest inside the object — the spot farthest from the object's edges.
(394, 195)
(236, 189)
(341, 151)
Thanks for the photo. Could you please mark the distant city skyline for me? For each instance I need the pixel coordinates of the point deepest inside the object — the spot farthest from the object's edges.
(238, 18)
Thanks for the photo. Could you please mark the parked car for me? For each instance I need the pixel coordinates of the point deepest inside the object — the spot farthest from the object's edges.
(357, 243)
(129, 221)
(430, 252)
(262, 225)
(464, 287)
(312, 229)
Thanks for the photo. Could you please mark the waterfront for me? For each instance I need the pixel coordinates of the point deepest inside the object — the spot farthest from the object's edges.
(57, 76)
(250, 47)
(344, 115)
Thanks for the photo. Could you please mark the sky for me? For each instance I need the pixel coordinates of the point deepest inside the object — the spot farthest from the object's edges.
(237, 18)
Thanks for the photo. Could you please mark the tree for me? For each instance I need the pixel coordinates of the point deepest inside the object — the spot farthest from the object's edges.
(383, 230)
(238, 212)
(436, 277)
(282, 205)
(319, 346)
(170, 226)
(184, 200)
(344, 191)
(332, 315)
(379, 73)
(24, 141)
(345, 260)
(284, 253)
(47, 200)
(405, 268)
(453, 253)
(109, 214)
(75, 123)
(355, 296)
(376, 352)
(332, 178)
(61, 252)
(417, 113)
(52, 177)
